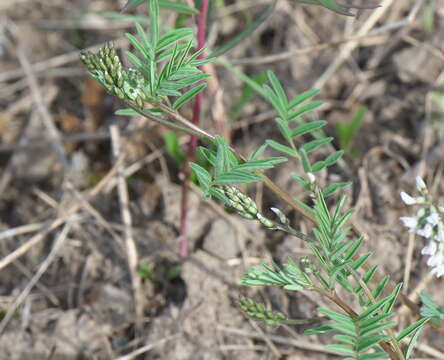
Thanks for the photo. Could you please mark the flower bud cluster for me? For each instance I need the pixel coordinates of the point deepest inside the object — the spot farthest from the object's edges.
(106, 68)
(427, 223)
(245, 206)
(258, 312)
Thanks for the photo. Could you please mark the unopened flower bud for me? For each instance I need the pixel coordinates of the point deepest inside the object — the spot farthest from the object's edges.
(420, 184)
(311, 178)
(408, 200)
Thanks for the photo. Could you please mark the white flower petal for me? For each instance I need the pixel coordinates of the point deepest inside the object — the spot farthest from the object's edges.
(438, 270)
(433, 219)
(409, 222)
(420, 184)
(408, 200)
(430, 249)
(426, 231)
(311, 178)
(435, 260)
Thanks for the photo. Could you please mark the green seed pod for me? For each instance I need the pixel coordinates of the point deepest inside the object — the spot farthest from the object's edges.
(102, 65)
(280, 316)
(271, 322)
(246, 215)
(108, 79)
(119, 93)
(264, 221)
(139, 101)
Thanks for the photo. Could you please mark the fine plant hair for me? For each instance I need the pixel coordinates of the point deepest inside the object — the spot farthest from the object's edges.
(164, 77)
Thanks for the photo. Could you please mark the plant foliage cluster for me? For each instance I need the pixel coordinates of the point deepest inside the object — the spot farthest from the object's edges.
(165, 76)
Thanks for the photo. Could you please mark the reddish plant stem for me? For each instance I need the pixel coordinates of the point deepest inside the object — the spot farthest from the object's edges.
(201, 38)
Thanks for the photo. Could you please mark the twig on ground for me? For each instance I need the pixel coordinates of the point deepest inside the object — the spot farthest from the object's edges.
(146, 348)
(131, 248)
(46, 117)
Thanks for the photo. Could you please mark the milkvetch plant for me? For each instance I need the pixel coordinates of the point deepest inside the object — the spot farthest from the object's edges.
(164, 77)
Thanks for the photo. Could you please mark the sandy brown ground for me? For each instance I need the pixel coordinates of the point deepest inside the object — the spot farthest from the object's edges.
(68, 294)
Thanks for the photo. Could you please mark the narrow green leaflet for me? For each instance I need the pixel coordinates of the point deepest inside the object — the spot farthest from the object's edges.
(278, 89)
(284, 129)
(314, 144)
(282, 148)
(170, 5)
(178, 6)
(308, 127)
(294, 116)
(256, 165)
(189, 95)
(203, 176)
(126, 112)
(332, 188)
(302, 97)
(237, 177)
(172, 37)
(259, 152)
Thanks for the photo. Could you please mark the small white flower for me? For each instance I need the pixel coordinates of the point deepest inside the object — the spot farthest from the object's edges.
(438, 270)
(408, 200)
(440, 234)
(435, 260)
(430, 249)
(426, 231)
(420, 184)
(433, 219)
(409, 222)
(311, 177)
